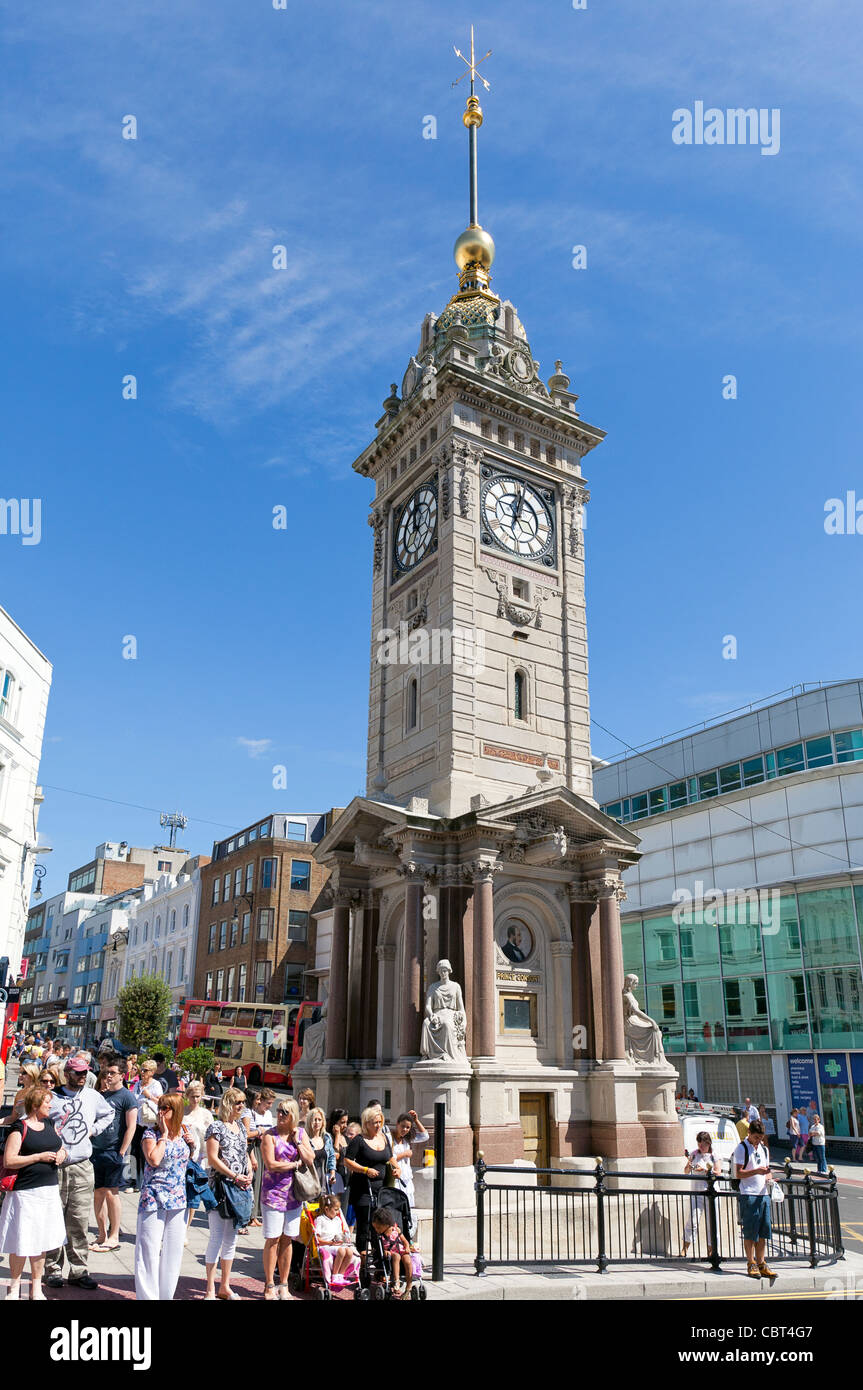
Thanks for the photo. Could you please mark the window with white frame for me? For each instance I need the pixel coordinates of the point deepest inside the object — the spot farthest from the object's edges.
(7, 695)
(241, 987)
(250, 877)
(186, 916)
(173, 922)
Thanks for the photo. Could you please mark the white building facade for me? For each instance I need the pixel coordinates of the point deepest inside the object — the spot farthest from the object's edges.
(162, 935)
(744, 915)
(25, 681)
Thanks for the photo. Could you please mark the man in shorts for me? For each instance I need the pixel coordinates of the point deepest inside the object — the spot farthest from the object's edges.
(752, 1167)
(110, 1149)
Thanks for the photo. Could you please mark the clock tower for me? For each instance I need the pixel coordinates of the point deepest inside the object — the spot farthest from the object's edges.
(479, 667)
(478, 853)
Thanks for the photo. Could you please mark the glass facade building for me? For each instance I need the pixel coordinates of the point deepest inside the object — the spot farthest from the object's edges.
(744, 919)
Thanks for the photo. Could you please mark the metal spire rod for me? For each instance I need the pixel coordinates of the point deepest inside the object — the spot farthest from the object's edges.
(472, 119)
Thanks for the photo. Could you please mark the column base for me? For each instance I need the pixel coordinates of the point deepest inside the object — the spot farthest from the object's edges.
(433, 1082)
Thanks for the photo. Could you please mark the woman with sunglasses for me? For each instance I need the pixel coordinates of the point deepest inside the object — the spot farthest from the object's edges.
(162, 1209)
(228, 1157)
(283, 1150)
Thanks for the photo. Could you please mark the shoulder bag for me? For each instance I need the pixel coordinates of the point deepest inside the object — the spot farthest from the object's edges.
(8, 1177)
(307, 1184)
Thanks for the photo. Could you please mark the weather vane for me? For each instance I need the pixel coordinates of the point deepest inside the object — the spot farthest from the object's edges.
(472, 65)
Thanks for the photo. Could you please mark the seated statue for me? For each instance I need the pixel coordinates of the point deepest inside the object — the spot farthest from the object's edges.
(314, 1039)
(445, 1021)
(643, 1034)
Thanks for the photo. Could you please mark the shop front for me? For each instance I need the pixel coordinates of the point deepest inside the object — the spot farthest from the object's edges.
(833, 1081)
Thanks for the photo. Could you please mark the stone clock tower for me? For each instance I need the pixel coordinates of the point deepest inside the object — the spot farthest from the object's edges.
(479, 839)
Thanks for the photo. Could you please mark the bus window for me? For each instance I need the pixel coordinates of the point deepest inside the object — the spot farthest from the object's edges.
(222, 1047)
(196, 1013)
(212, 1015)
(228, 1016)
(262, 1018)
(237, 1046)
(245, 1018)
(278, 1017)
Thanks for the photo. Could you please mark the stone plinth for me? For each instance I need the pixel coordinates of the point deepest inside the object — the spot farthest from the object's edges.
(433, 1082)
(656, 1091)
(615, 1126)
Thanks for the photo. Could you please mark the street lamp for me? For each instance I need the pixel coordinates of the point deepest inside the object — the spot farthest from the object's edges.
(39, 873)
(246, 898)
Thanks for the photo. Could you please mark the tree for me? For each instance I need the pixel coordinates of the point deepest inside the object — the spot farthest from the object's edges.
(143, 1010)
(197, 1061)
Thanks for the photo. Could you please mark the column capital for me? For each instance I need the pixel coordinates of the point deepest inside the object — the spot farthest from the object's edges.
(482, 870)
(609, 886)
(386, 950)
(560, 950)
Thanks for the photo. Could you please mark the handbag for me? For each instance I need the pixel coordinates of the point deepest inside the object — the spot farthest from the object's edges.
(306, 1184)
(234, 1203)
(7, 1176)
(198, 1185)
(148, 1114)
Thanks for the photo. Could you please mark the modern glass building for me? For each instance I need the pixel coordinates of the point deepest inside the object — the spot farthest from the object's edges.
(744, 917)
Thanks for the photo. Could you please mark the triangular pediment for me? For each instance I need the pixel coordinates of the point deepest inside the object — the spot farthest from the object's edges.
(582, 822)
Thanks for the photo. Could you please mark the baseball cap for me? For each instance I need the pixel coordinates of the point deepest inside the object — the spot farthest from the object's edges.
(76, 1063)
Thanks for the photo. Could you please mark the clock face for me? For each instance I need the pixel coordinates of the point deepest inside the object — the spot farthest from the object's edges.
(416, 528)
(518, 518)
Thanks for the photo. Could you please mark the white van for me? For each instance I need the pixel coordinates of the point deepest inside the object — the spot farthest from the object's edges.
(721, 1128)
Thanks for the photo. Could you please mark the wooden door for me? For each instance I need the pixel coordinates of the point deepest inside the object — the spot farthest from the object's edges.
(533, 1113)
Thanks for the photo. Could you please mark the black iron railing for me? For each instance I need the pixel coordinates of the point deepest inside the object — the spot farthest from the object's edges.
(556, 1216)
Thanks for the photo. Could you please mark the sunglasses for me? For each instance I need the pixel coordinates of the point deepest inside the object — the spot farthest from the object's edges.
(164, 1109)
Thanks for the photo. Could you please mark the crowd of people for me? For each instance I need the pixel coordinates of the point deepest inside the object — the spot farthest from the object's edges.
(79, 1122)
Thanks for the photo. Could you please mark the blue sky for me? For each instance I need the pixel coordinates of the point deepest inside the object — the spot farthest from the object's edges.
(258, 388)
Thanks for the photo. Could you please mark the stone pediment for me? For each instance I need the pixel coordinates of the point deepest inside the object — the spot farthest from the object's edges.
(553, 824)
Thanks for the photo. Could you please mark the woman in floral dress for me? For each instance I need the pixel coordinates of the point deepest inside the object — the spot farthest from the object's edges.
(162, 1209)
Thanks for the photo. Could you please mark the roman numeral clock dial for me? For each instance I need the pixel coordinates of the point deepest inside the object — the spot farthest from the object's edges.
(416, 529)
(518, 518)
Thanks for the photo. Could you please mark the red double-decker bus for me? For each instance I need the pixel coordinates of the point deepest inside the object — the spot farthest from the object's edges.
(230, 1028)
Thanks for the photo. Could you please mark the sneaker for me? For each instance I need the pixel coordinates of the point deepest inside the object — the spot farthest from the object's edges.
(84, 1281)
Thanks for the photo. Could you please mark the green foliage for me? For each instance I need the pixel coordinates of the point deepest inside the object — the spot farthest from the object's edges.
(143, 1010)
(197, 1061)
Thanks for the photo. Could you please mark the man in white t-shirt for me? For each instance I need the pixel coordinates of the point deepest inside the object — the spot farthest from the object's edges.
(750, 1111)
(752, 1167)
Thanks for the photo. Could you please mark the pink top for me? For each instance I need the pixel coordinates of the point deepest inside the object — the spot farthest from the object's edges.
(277, 1189)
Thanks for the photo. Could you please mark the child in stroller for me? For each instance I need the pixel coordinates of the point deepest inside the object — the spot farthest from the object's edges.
(395, 1247)
(339, 1260)
(391, 1218)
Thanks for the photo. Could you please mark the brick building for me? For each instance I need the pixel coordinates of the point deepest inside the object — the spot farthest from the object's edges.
(118, 866)
(255, 924)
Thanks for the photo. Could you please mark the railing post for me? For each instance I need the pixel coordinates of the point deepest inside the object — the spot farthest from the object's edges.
(792, 1204)
(712, 1223)
(480, 1187)
(439, 1178)
(602, 1258)
(810, 1218)
(835, 1223)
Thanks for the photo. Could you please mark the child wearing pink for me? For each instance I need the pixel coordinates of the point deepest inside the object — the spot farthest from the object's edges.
(339, 1259)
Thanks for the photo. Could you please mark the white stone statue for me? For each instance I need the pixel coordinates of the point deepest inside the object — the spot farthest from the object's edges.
(315, 1039)
(643, 1034)
(445, 1021)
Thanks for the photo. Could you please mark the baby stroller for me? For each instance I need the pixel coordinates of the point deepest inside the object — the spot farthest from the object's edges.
(314, 1277)
(377, 1270)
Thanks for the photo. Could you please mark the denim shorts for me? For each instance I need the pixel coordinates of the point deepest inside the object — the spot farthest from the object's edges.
(755, 1216)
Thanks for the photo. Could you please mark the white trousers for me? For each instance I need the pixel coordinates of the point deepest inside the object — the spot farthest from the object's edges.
(223, 1239)
(158, 1253)
(696, 1209)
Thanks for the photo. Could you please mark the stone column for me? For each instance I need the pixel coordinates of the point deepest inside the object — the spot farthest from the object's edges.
(385, 1043)
(484, 992)
(369, 975)
(337, 1003)
(412, 979)
(609, 893)
(582, 910)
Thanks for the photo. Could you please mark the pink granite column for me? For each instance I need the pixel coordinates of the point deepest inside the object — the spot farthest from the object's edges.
(369, 976)
(337, 1001)
(484, 992)
(412, 979)
(611, 955)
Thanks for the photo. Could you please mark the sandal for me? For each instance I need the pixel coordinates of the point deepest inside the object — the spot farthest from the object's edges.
(270, 1295)
(230, 1297)
(104, 1247)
